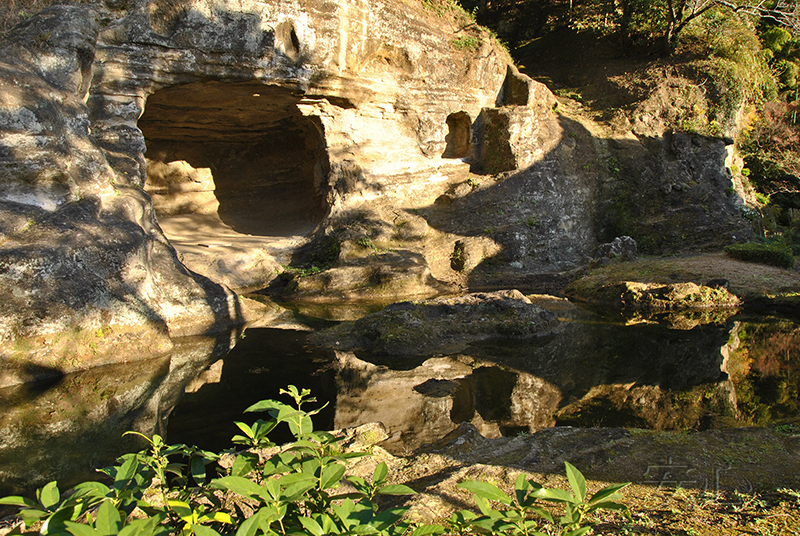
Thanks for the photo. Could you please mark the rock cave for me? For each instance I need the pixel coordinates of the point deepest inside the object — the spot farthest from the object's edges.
(235, 168)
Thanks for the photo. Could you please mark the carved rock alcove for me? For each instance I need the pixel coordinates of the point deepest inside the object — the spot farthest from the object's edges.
(267, 160)
(235, 167)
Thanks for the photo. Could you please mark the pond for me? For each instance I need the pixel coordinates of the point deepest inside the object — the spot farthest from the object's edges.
(711, 370)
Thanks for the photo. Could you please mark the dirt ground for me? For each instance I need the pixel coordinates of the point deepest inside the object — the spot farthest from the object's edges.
(758, 285)
(720, 482)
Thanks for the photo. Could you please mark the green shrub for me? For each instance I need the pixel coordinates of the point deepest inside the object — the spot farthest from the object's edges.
(297, 491)
(771, 254)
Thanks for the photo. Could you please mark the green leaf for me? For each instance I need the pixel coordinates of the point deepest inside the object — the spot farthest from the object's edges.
(56, 522)
(608, 492)
(249, 526)
(32, 515)
(380, 473)
(357, 482)
(396, 489)
(388, 517)
(576, 481)
(325, 438)
(16, 500)
(424, 530)
(579, 532)
(554, 495)
(270, 491)
(311, 526)
(331, 475)
(198, 470)
(301, 445)
(293, 478)
(315, 411)
(486, 490)
(485, 507)
(90, 489)
(607, 505)
(296, 491)
(244, 464)
(108, 520)
(244, 427)
(79, 529)
(541, 512)
(328, 524)
(126, 472)
(49, 495)
(201, 530)
(183, 509)
(221, 517)
(266, 405)
(142, 527)
(262, 428)
(237, 484)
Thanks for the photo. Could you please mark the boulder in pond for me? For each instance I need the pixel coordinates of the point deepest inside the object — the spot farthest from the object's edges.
(441, 325)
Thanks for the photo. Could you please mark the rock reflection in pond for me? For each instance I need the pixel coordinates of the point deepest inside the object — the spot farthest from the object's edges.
(424, 403)
(263, 362)
(587, 371)
(69, 427)
(658, 373)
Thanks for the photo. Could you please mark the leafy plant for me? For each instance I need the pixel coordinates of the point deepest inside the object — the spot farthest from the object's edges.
(295, 491)
(524, 515)
(771, 254)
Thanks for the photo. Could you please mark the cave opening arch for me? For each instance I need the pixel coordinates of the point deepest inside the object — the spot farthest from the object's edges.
(242, 152)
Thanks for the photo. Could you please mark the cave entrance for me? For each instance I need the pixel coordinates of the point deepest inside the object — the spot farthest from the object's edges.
(233, 163)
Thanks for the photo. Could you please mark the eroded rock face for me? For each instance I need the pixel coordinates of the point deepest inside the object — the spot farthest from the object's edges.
(86, 276)
(291, 106)
(263, 123)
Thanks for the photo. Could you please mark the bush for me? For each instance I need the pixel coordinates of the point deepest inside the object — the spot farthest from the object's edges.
(297, 491)
(771, 254)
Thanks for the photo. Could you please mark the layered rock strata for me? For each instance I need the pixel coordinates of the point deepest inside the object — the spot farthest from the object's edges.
(252, 128)
(296, 111)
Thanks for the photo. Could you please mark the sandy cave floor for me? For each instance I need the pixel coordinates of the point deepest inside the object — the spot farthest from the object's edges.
(244, 262)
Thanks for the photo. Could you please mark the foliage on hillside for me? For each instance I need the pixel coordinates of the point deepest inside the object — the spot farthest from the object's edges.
(714, 68)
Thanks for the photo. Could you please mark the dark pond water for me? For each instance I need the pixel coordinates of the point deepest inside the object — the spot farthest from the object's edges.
(667, 373)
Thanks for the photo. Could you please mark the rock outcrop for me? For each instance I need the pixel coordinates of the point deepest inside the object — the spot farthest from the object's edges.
(267, 115)
(441, 325)
(367, 146)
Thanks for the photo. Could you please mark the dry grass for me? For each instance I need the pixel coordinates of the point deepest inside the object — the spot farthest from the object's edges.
(745, 278)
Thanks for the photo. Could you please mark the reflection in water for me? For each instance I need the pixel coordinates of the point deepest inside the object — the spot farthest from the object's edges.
(66, 429)
(262, 363)
(593, 372)
(764, 365)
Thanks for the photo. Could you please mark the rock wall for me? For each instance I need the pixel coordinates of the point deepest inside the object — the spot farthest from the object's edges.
(328, 87)
(359, 122)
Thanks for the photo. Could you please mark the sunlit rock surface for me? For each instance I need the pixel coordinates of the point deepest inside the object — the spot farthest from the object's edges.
(266, 118)
(325, 150)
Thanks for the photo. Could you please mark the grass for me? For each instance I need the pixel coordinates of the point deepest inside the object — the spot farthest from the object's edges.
(744, 278)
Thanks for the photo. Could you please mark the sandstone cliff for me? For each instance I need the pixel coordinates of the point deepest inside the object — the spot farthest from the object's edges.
(384, 148)
(297, 109)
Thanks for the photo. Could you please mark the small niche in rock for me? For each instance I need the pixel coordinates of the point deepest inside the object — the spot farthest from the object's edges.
(459, 136)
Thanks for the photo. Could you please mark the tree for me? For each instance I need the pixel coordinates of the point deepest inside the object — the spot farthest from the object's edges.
(681, 12)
